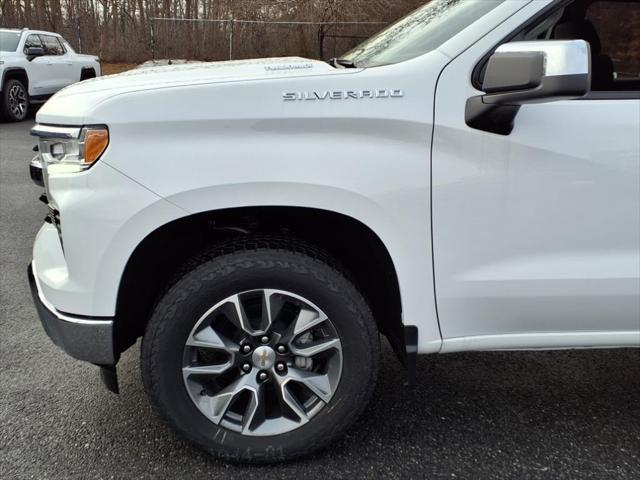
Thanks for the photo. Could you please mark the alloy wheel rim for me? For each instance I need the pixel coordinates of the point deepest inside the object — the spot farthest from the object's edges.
(262, 362)
(17, 101)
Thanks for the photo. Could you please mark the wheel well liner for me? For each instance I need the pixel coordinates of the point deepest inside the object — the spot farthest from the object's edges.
(351, 243)
(87, 73)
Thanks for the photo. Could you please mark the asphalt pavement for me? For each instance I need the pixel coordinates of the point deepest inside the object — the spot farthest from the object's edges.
(522, 415)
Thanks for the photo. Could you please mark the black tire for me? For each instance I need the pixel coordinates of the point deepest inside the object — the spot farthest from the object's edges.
(246, 265)
(11, 111)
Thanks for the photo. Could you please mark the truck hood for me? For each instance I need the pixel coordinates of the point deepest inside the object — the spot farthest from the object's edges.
(72, 104)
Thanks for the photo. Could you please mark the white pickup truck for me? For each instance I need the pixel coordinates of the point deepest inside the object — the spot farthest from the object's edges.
(468, 179)
(34, 65)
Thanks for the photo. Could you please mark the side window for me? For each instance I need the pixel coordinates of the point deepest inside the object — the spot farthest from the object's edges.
(62, 42)
(612, 29)
(67, 48)
(32, 41)
(618, 26)
(51, 45)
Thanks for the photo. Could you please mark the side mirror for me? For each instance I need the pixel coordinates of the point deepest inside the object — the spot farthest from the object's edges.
(529, 72)
(33, 52)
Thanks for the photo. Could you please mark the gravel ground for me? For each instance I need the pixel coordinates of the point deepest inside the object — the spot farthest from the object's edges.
(484, 415)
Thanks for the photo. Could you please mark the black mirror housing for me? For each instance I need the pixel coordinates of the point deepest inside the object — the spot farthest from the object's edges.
(33, 52)
(513, 71)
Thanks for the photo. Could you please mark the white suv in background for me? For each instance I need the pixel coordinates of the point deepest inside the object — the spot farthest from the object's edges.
(34, 65)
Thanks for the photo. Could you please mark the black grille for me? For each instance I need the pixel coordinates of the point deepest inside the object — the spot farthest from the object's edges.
(53, 217)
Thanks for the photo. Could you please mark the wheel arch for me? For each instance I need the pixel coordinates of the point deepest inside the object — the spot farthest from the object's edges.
(359, 249)
(18, 73)
(87, 73)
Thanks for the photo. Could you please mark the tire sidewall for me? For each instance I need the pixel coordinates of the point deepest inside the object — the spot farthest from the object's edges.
(7, 113)
(186, 302)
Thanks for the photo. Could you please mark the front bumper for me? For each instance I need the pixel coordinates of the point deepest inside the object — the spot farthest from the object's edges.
(87, 339)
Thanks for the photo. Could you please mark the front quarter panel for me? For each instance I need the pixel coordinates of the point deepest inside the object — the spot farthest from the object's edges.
(211, 147)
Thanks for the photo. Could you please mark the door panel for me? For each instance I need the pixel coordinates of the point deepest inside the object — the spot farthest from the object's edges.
(42, 76)
(58, 69)
(39, 83)
(538, 231)
(72, 65)
(72, 69)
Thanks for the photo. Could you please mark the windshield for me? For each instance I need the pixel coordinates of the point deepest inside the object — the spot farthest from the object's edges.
(9, 41)
(420, 32)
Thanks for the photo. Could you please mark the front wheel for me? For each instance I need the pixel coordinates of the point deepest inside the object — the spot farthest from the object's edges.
(15, 101)
(263, 354)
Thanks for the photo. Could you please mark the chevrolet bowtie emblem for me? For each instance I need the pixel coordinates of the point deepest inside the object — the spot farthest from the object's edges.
(264, 356)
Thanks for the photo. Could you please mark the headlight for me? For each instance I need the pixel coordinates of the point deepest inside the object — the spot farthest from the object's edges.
(71, 149)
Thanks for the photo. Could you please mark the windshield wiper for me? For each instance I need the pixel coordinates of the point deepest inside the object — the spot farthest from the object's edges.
(342, 62)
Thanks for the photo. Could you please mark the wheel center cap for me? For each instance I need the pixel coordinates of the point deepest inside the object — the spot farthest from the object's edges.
(263, 357)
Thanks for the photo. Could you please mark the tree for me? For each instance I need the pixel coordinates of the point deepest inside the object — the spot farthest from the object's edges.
(119, 30)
